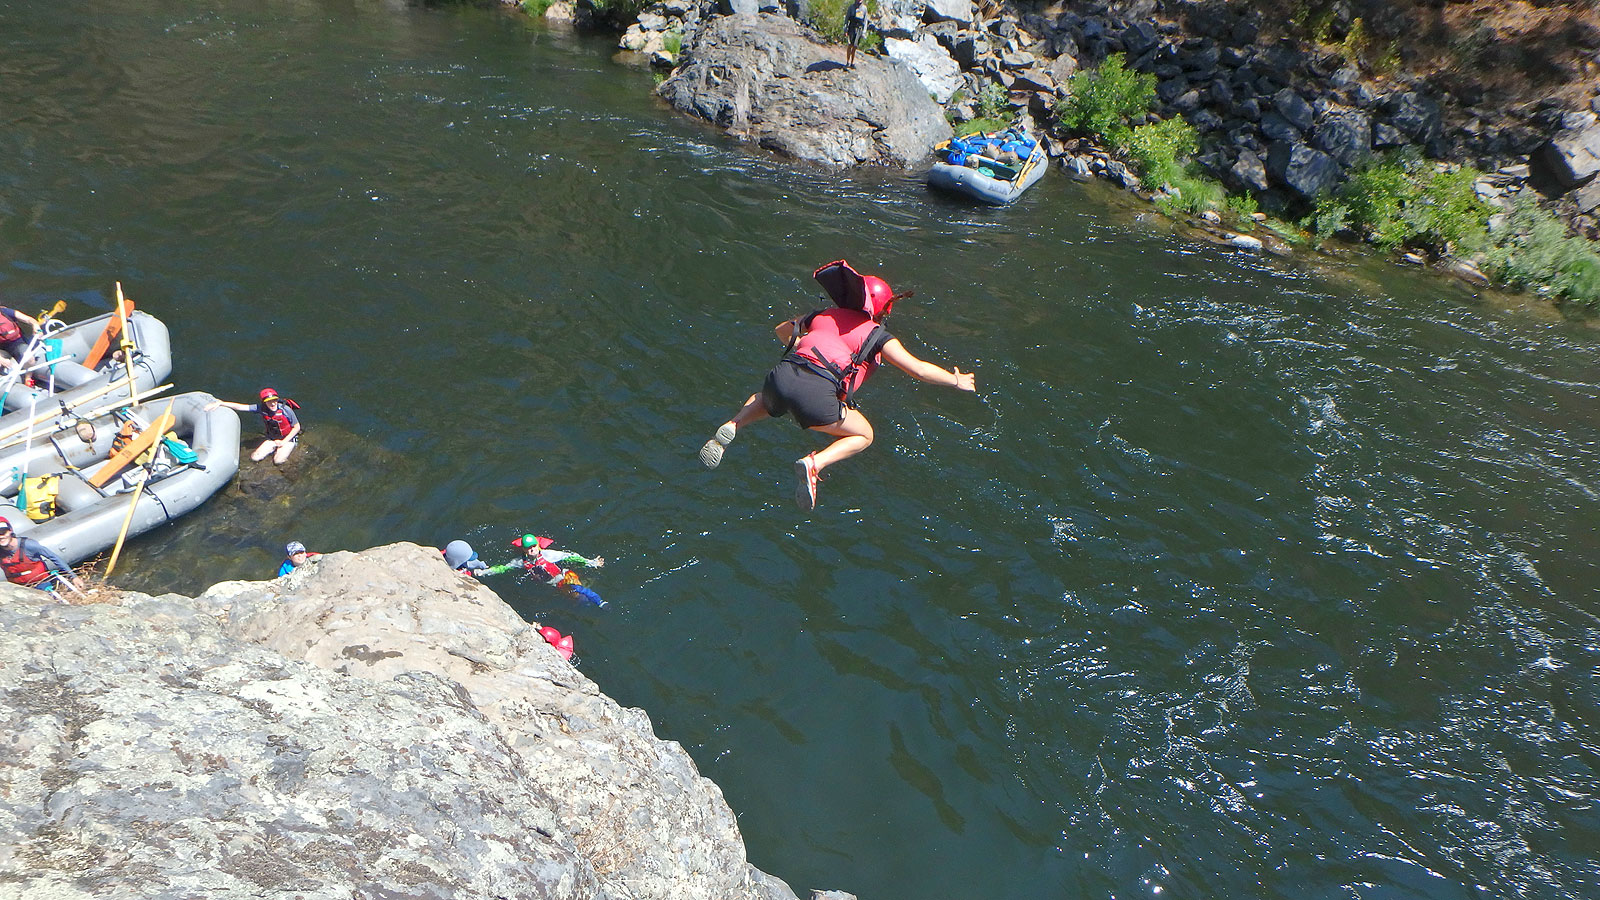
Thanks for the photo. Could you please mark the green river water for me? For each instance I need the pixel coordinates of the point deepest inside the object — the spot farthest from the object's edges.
(1235, 580)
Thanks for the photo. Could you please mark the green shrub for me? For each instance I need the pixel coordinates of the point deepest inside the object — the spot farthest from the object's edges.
(1402, 200)
(537, 8)
(672, 42)
(1156, 149)
(1104, 99)
(994, 102)
(1534, 250)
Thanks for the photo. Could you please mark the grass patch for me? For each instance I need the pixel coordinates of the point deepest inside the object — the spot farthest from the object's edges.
(536, 8)
(984, 125)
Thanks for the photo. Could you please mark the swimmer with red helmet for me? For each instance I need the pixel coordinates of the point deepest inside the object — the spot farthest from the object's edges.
(831, 353)
(278, 422)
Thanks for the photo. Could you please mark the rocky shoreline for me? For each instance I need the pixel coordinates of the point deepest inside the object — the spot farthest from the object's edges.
(373, 725)
(1279, 119)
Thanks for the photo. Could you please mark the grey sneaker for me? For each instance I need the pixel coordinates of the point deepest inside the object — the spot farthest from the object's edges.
(711, 453)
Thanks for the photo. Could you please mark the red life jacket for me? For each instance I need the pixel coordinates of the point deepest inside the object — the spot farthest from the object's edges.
(844, 345)
(9, 329)
(276, 424)
(540, 565)
(19, 568)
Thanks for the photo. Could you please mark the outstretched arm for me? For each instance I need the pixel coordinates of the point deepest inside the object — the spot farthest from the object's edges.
(790, 328)
(901, 358)
(241, 407)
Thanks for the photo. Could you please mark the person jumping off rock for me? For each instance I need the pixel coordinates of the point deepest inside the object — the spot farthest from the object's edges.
(831, 353)
(547, 563)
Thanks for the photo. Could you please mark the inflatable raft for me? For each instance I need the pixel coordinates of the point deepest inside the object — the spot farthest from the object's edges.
(971, 165)
(87, 518)
(65, 379)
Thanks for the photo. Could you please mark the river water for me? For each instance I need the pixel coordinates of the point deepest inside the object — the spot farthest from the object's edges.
(1235, 580)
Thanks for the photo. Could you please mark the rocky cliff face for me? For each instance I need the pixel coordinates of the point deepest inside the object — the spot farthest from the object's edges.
(373, 725)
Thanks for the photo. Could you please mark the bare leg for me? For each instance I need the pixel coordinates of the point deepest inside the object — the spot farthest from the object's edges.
(284, 449)
(754, 410)
(263, 451)
(854, 435)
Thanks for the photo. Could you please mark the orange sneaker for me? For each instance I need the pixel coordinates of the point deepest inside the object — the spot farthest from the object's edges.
(805, 488)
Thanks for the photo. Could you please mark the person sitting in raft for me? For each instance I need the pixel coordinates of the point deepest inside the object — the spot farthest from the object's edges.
(547, 563)
(278, 422)
(297, 557)
(460, 556)
(831, 353)
(13, 346)
(27, 562)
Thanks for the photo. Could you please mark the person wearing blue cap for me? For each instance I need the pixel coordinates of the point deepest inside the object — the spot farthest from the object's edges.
(297, 557)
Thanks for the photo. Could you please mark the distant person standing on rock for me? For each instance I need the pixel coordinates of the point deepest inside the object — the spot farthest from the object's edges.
(855, 22)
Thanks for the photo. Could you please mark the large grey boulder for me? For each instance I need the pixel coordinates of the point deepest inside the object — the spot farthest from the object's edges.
(372, 725)
(1573, 157)
(932, 63)
(771, 80)
(957, 11)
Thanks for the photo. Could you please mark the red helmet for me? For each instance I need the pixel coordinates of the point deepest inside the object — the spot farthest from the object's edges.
(268, 394)
(879, 297)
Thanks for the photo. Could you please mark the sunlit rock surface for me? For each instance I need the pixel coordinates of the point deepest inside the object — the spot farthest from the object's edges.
(373, 725)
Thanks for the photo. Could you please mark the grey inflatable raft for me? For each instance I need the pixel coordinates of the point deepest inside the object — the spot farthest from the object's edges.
(90, 518)
(73, 382)
(991, 181)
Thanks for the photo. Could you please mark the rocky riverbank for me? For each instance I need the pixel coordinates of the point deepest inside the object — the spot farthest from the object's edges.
(373, 725)
(1281, 117)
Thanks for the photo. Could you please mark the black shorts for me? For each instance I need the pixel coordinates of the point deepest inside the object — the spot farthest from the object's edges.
(15, 349)
(812, 397)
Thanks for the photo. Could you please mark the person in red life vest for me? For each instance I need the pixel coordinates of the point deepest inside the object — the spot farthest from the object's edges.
(28, 562)
(831, 353)
(548, 564)
(13, 346)
(278, 421)
(298, 555)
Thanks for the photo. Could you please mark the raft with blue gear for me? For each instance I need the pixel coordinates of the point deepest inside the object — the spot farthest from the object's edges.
(979, 165)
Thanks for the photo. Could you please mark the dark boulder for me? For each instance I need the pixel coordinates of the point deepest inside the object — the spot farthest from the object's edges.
(1306, 171)
(1416, 116)
(1294, 107)
(1249, 172)
(1277, 128)
(1346, 136)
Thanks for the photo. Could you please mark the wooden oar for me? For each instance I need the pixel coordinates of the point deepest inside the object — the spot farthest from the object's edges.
(161, 428)
(127, 344)
(9, 435)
